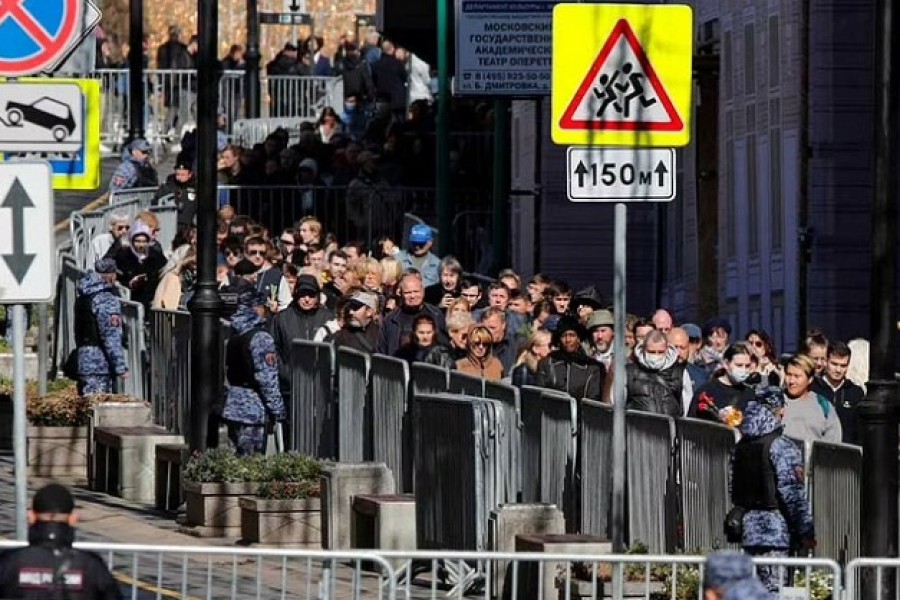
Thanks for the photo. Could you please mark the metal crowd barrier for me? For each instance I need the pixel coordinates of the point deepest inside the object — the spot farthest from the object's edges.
(594, 488)
(135, 346)
(871, 578)
(64, 311)
(387, 420)
(834, 473)
(651, 480)
(292, 96)
(704, 461)
(209, 572)
(468, 385)
(428, 379)
(550, 422)
(311, 412)
(170, 368)
(142, 196)
(249, 132)
(353, 369)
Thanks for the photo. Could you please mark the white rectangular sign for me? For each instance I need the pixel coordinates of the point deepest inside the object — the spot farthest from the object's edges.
(620, 174)
(41, 117)
(27, 253)
(503, 47)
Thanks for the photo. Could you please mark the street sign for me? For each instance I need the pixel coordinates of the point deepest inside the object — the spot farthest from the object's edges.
(295, 6)
(621, 174)
(503, 47)
(37, 36)
(284, 19)
(57, 120)
(26, 233)
(622, 74)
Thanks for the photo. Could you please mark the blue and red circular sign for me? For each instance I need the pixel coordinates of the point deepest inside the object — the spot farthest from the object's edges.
(36, 34)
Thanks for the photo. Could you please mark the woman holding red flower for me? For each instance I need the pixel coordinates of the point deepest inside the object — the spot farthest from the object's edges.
(727, 388)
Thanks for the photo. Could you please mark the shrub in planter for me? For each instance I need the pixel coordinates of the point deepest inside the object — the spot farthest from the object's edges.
(286, 510)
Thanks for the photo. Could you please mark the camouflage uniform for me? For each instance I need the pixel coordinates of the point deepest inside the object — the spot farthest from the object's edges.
(731, 575)
(100, 354)
(770, 532)
(133, 173)
(253, 394)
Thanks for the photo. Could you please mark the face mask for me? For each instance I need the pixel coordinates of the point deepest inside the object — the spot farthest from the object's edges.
(655, 361)
(738, 375)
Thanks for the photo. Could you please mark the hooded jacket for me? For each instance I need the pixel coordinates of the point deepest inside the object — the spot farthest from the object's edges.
(776, 528)
(655, 390)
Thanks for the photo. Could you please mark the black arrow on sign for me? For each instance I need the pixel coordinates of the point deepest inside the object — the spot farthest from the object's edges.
(17, 199)
(294, 6)
(661, 170)
(581, 171)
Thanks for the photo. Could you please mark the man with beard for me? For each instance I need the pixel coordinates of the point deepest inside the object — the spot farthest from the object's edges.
(569, 369)
(360, 330)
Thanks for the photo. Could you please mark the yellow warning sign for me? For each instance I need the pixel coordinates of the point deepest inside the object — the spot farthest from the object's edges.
(622, 74)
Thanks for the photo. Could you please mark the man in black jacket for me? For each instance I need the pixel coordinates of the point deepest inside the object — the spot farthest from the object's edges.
(840, 391)
(396, 330)
(299, 321)
(360, 331)
(49, 567)
(390, 76)
(181, 186)
(568, 369)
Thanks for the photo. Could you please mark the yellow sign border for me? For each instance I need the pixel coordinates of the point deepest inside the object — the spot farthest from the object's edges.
(666, 34)
(90, 89)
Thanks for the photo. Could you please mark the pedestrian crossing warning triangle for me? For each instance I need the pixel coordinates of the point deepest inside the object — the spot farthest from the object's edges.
(621, 91)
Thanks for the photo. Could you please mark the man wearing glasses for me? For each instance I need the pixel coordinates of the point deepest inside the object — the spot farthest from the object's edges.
(269, 281)
(119, 224)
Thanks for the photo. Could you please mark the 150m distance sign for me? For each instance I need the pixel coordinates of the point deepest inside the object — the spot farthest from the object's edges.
(598, 174)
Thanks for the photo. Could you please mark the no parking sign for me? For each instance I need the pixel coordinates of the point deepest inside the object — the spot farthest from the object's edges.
(37, 35)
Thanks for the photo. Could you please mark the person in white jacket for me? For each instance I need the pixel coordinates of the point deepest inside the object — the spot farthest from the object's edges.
(419, 80)
(119, 224)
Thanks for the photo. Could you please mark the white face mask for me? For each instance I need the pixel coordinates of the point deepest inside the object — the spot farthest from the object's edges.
(655, 361)
(738, 374)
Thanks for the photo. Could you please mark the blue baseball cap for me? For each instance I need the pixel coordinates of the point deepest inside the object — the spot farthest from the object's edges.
(420, 234)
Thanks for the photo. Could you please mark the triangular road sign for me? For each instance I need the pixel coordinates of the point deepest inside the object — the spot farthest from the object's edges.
(621, 91)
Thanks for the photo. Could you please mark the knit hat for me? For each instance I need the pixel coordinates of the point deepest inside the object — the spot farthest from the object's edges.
(566, 324)
(105, 266)
(725, 569)
(53, 499)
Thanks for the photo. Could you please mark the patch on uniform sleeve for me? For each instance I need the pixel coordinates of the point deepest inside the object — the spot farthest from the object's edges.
(118, 180)
(115, 321)
(800, 474)
(271, 359)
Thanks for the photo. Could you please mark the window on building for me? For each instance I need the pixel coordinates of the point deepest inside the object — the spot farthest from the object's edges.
(727, 66)
(776, 198)
(774, 52)
(752, 186)
(730, 225)
(749, 60)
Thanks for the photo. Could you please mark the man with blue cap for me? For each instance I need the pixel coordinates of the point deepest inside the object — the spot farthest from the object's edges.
(251, 360)
(729, 575)
(136, 171)
(768, 487)
(418, 255)
(98, 330)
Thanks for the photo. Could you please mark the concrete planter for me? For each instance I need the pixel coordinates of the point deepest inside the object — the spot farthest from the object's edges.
(57, 451)
(214, 506)
(281, 521)
(114, 414)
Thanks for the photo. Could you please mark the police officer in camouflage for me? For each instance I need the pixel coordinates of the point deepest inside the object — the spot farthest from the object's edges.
(768, 482)
(98, 330)
(253, 396)
(136, 170)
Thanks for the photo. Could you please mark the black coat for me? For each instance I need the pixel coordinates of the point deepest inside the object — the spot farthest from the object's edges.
(129, 266)
(357, 338)
(576, 374)
(185, 195)
(294, 324)
(389, 75)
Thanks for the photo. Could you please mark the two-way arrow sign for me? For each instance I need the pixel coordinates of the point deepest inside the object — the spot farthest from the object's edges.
(26, 233)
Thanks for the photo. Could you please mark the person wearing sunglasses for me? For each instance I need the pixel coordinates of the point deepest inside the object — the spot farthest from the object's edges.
(270, 281)
(763, 347)
(478, 360)
(119, 224)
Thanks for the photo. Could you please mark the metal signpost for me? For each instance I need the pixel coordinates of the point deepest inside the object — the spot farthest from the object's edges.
(26, 276)
(621, 87)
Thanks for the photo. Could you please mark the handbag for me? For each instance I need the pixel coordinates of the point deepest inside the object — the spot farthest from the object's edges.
(734, 525)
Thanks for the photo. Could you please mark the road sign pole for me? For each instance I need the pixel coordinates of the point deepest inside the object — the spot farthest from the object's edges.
(136, 69)
(43, 354)
(19, 424)
(619, 360)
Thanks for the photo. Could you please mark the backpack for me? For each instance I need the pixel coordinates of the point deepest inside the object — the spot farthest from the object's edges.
(824, 404)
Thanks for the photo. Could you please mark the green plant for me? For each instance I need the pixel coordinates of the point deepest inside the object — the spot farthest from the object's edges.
(65, 408)
(289, 490)
(223, 465)
(820, 585)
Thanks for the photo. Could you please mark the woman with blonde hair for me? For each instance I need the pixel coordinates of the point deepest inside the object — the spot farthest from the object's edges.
(537, 347)
(177, 280)
(310, 231)
(459, 306)
(371, 273)
(392, 271)
(478, 360)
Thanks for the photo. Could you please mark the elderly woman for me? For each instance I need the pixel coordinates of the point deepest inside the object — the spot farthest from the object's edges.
(478, 360)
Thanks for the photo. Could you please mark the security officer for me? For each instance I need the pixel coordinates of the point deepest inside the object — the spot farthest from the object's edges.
(49, 567)
(136, 171)
(182, 187)
(768, 482)
(98, 330)
(729, 576)
(253, 396)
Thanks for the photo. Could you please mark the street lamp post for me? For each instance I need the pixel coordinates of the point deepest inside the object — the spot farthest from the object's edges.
(205, 306)
(136, 69)
(251, 59)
